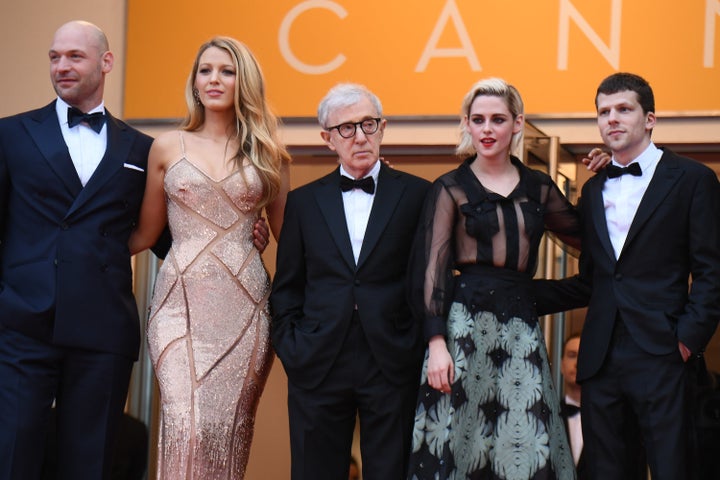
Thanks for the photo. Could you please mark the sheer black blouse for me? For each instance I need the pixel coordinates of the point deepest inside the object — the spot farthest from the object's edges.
(463, 223)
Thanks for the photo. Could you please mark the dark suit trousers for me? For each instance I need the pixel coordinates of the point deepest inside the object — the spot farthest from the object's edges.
(90, 389)
(322, 419)
(636, 398)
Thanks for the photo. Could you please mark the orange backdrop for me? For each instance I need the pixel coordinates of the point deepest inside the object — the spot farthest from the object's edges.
(421, 56)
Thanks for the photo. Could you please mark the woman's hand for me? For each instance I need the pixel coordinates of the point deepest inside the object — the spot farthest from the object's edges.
(440, 369)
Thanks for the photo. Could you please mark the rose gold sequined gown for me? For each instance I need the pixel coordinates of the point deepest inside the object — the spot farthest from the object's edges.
(208, 331)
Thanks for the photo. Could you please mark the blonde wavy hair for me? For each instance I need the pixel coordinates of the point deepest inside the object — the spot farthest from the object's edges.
(496, 87)
(256, 126)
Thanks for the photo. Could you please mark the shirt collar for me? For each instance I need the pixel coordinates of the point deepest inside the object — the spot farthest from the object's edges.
(571, 401)
(647, 159)
(374, 172)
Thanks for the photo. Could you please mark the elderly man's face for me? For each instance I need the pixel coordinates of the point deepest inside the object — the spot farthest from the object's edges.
(358, 153)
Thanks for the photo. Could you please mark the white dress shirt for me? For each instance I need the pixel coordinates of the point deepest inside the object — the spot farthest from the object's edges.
(575, 431)
(357, 205)
(86, 147)
(622, 196)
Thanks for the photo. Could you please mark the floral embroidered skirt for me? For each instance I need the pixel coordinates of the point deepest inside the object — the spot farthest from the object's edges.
(501, 419)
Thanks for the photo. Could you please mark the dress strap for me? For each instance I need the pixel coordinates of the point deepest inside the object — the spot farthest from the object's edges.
(182, 144)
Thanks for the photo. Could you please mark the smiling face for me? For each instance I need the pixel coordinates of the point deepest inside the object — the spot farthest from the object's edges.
(624, 127)
(492, 126)
(358, 153)
(79, 60)
(215, 80)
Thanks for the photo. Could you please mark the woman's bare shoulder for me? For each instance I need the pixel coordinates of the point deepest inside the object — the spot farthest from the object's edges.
(167, 148)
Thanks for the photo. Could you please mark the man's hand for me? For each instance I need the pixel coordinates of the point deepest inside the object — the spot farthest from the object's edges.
(596, 160)
(684, 351)
(261, 234)
(386, 162)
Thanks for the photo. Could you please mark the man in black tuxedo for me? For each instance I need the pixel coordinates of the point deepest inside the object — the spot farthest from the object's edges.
(71, 182)
(341, 324)
(650, 226)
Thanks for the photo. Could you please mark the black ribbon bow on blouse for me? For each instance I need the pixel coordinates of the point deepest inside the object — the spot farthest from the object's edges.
(366, 184)
(94, 120)
(613, 171)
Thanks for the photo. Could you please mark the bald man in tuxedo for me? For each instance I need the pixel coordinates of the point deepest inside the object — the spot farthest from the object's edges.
(72, 178)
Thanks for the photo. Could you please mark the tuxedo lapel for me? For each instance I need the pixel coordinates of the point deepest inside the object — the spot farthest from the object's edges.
(596, 209)
(44, 129)
(119, 142)
(667, 173)
(387, 195)
(329, 200)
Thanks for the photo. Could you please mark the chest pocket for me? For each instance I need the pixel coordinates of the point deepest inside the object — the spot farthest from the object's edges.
(533, 216)
(481, 219)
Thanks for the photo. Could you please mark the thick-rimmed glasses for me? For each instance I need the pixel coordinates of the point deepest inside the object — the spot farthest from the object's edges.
(347, 130)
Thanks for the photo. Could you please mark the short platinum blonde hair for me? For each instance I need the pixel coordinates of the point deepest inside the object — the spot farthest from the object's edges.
(495, 87)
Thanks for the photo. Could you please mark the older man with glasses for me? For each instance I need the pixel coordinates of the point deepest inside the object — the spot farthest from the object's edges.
(341, 324)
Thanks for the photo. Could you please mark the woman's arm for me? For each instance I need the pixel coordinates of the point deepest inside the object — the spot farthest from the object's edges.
(153, 212)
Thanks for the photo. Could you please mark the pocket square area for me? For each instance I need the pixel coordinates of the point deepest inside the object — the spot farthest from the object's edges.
(133, 167)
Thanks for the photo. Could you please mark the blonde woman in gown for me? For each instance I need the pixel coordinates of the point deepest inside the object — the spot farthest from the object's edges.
(208, 331)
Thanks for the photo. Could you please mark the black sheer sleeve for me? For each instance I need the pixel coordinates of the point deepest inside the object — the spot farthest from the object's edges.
(562, 219)
(430, 272)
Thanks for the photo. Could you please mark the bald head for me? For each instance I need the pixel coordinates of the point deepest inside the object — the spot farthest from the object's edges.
(79, 61)
(94, 36)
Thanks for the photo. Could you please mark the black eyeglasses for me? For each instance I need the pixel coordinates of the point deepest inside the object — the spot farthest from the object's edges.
(348, 130)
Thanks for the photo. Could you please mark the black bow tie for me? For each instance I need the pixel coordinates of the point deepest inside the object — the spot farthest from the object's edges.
(570, 410)
(94, 120)
(366, 184)
(613, 171)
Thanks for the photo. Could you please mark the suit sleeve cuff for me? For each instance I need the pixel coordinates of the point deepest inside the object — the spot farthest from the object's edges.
(434, 326)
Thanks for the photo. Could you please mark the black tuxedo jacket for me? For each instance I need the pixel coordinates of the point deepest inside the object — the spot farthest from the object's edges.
(65, 273)
(317, 284)
(674, 236)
